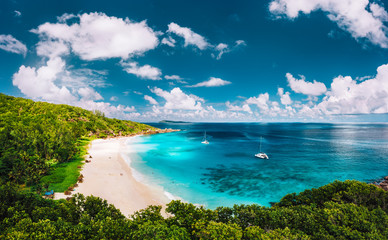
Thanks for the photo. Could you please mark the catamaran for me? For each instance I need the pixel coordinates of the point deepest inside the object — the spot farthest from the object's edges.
(261, 154)
(204, 140)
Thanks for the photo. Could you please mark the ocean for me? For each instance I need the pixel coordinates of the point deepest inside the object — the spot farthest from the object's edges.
(225, 172)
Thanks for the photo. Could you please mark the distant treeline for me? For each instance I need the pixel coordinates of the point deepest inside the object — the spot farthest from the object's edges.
(340, 210)
(37, 135)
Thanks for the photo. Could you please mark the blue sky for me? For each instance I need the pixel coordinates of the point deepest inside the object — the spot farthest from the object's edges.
(278, 60)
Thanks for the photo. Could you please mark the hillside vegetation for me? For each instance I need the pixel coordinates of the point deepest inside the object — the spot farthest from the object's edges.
(37, 136)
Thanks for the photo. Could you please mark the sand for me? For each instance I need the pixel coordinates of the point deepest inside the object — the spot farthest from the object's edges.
(109, 177)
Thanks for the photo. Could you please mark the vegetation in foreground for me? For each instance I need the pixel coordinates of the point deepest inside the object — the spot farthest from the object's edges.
(340, 210)
(39, 138)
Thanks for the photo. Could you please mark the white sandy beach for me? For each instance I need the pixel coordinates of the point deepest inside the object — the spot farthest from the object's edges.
(108, 176)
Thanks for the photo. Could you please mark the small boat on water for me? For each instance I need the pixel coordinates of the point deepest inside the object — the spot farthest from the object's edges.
(204, 140)
(261, 154)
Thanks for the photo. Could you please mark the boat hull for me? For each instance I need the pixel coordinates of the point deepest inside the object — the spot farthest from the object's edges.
(261, 155)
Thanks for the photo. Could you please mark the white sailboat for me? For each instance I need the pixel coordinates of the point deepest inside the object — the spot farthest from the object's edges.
(204, 140)
(261, 154)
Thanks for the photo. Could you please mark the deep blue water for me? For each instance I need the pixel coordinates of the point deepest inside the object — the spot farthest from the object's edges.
(225, 172)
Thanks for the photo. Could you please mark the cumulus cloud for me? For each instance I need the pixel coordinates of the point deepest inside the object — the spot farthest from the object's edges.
(98, 36)
(39, 83)
(262, 101)
(190, 37)
(119, 111)
(285, 98)
(212, 82)
(49, 83)
(361, 18)
(169, 41)
(88, 93)
(144, 72)
(347, 96)
(302, 86)
(177, 99)
(244, 107)
(151, 100)
(52, 48)
(11, 44)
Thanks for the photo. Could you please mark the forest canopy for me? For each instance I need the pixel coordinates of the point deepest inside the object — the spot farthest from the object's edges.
(340, 210)
(37, 135)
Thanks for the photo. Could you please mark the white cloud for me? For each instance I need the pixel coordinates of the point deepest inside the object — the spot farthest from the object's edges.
(84, 77)
(88, 93)
(177, 99)
(17, 13)
(244, 107)
(169, 41)
(308, 88)
(119, 111)
(285, 98)
(191, 38)
(347, 96)
(98, 36)
(361, 18)
(240, 43)
(151, 100)
(52, 48)
(144, 72)
(114, 99)
(49, 83)
(212, 82)
(39, 83)
(378, 11)
(65, 17)
(172, 77)
(261, 101)
(11, 44)
(175, 78)
(221, 48)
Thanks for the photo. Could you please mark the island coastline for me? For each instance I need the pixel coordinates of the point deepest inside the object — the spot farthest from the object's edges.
(107, 174)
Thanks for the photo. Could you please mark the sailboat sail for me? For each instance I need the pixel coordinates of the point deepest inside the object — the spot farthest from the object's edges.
(204, 140)
(261, 154)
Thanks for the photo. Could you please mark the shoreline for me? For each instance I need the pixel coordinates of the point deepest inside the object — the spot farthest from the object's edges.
(107, 174)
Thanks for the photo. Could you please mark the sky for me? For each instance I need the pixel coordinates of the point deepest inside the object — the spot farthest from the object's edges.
(201, 61)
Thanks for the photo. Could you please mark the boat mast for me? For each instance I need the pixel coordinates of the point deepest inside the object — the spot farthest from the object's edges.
(261, 138)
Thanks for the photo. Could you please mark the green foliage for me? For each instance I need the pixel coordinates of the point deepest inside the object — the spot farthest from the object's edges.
(349, 191)
(218, 230)
(36, 136)
(62, 175)
(24, 215)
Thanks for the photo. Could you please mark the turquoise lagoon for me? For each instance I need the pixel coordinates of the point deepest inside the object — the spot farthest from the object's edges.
(225, 172)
